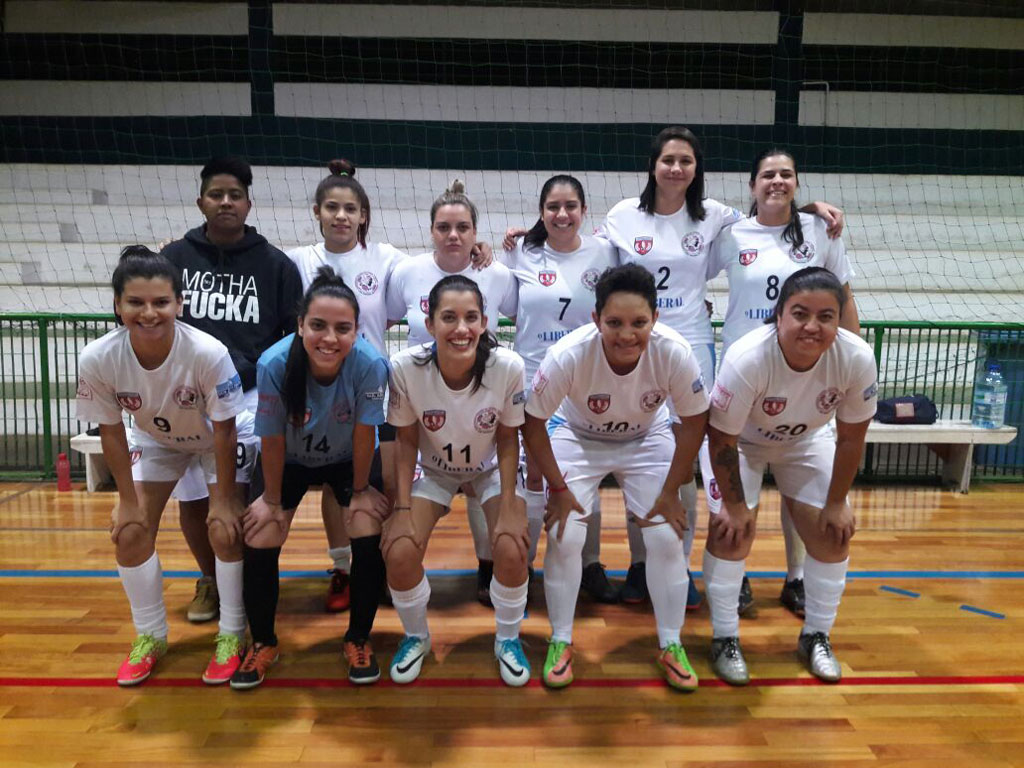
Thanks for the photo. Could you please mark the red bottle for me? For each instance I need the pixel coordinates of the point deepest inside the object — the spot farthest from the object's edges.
(63, 472)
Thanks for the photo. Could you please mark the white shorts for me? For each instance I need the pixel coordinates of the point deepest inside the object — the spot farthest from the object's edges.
(640, 466)
(802, 469)
(156, 462)
(705, 355)
(441, 487)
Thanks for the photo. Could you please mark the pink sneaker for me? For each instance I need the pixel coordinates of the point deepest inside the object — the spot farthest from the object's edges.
(226, 659)
(143, 656)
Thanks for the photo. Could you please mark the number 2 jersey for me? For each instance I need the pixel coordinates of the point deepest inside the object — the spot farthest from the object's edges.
(356, 396)
(760, 398)
(576, 380)
(457, 427)
(173, 403)
(757, 261)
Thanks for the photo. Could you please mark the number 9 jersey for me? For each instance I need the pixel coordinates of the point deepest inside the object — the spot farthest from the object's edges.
(457, 427)
(173, 403)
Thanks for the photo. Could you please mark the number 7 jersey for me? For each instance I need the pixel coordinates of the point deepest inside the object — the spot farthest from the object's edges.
(457, 427)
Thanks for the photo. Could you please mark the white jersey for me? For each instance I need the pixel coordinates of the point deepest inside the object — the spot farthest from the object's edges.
(760, 398)
(675, 250)
(556, 293)
(366, 271)
(413, 278)
(457, 428)
(757, 261)
(173, 403)
(576, 380)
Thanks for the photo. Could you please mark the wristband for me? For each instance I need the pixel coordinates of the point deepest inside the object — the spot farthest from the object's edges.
(563, 489)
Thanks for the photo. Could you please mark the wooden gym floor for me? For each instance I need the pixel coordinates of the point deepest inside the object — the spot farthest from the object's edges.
(929, 633)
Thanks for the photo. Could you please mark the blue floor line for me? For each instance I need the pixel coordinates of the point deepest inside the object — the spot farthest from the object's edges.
(898, 591)
(20, 573)
(982, 611)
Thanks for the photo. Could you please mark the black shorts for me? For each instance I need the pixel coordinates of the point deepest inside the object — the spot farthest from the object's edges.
(298, 478)
(385, 433)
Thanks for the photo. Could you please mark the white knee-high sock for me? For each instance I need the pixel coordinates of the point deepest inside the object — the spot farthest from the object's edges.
(535, 502)
(722, 581)
(796, 552)
(411, 606)
(563, 570)
(509, 605)
(342, 557)
(144, 586)
(688, 498)
(635, 536)
(229, 587)
(592, 544)
(478, 527)
(823, 588)
(666, 581)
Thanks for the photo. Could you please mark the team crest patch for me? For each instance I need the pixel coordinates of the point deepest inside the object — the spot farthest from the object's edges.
(486, 420)
(716, 492)
(84, 391)
(829, 400)
(547, 277)
(130, 401)
(434, 420)
(540, 381)
(720, 397)
(186, 397)
(651, 399)
(803, 254)
(747, 257)
(599, 403)
(693, 243)
(367, 283)
(341, 412)
(871, 391)
(135, 454)
(643, 245)
(394, 399)
(773, 406)
(425, 304)
(589, 279)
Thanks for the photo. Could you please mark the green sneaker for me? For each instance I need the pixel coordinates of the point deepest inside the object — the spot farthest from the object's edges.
(678, 672)
(143, 656)
(558, 665)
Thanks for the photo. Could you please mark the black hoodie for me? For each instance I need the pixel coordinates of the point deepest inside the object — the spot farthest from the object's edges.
(246, 294)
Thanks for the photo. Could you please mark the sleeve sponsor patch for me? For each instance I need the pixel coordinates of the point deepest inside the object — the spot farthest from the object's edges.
(375, 394)
(698, 384)
(720, 397)
(84, 391)
(519, 397)
(540, 381)
(871, 391)
(226, 388)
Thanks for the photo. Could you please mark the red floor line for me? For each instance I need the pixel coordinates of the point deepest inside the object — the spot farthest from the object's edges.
(771, 682)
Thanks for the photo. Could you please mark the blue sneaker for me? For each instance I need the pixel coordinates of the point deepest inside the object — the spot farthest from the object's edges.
(512, 662)
(694, 599)
(408, 659)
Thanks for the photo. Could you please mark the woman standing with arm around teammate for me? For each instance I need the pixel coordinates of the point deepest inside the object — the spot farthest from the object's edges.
(183, 393)
(341, 209)
(321, 393)
(458, 402)
(776, 393)
(758, 254)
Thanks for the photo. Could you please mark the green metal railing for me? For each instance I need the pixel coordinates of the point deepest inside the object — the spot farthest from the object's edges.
(39, 374)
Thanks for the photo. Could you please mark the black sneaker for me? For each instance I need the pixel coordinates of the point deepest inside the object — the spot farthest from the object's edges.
(746, 597)
(362, 663)
(484, 572)
(792, 597)
(595, 583)
(635, 589)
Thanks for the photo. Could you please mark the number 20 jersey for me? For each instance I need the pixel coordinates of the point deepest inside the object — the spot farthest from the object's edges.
(173, 403)
(576, 380)
(456, 427)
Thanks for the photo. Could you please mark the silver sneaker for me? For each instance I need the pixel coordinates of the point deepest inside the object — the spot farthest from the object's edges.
(727, 660)
(815, 650)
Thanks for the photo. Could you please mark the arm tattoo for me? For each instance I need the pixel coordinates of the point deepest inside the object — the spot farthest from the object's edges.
(729, 459)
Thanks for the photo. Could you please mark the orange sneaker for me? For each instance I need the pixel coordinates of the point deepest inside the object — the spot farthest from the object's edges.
(226, 659)
(678, 672)
(258, 659)
(363, 668)
(558, 665)
(338, 595)
(143, 656)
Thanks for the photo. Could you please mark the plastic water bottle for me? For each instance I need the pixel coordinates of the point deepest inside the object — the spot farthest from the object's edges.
(63, 472)
(989, 398)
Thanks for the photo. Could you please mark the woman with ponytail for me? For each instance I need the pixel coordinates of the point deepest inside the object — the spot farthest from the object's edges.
(321, 393)
(458, 403)
(341, 209)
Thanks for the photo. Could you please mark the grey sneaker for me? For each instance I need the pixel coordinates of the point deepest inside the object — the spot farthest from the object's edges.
(746, 597)
(815, 650)
(792, 597)
(206, 603)
(727, 660)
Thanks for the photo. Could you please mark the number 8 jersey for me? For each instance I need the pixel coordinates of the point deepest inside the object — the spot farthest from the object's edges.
(457, 427)
(173, 403)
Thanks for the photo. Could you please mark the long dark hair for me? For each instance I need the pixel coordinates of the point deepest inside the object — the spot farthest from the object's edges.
(807, 279)
(485, 343)
(794, 231)
(296, 369)
(140, 261)
(695, 192)
(343, 176)
(538, 233)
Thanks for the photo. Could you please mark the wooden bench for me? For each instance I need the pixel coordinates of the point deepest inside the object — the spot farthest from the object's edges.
(960, 436)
